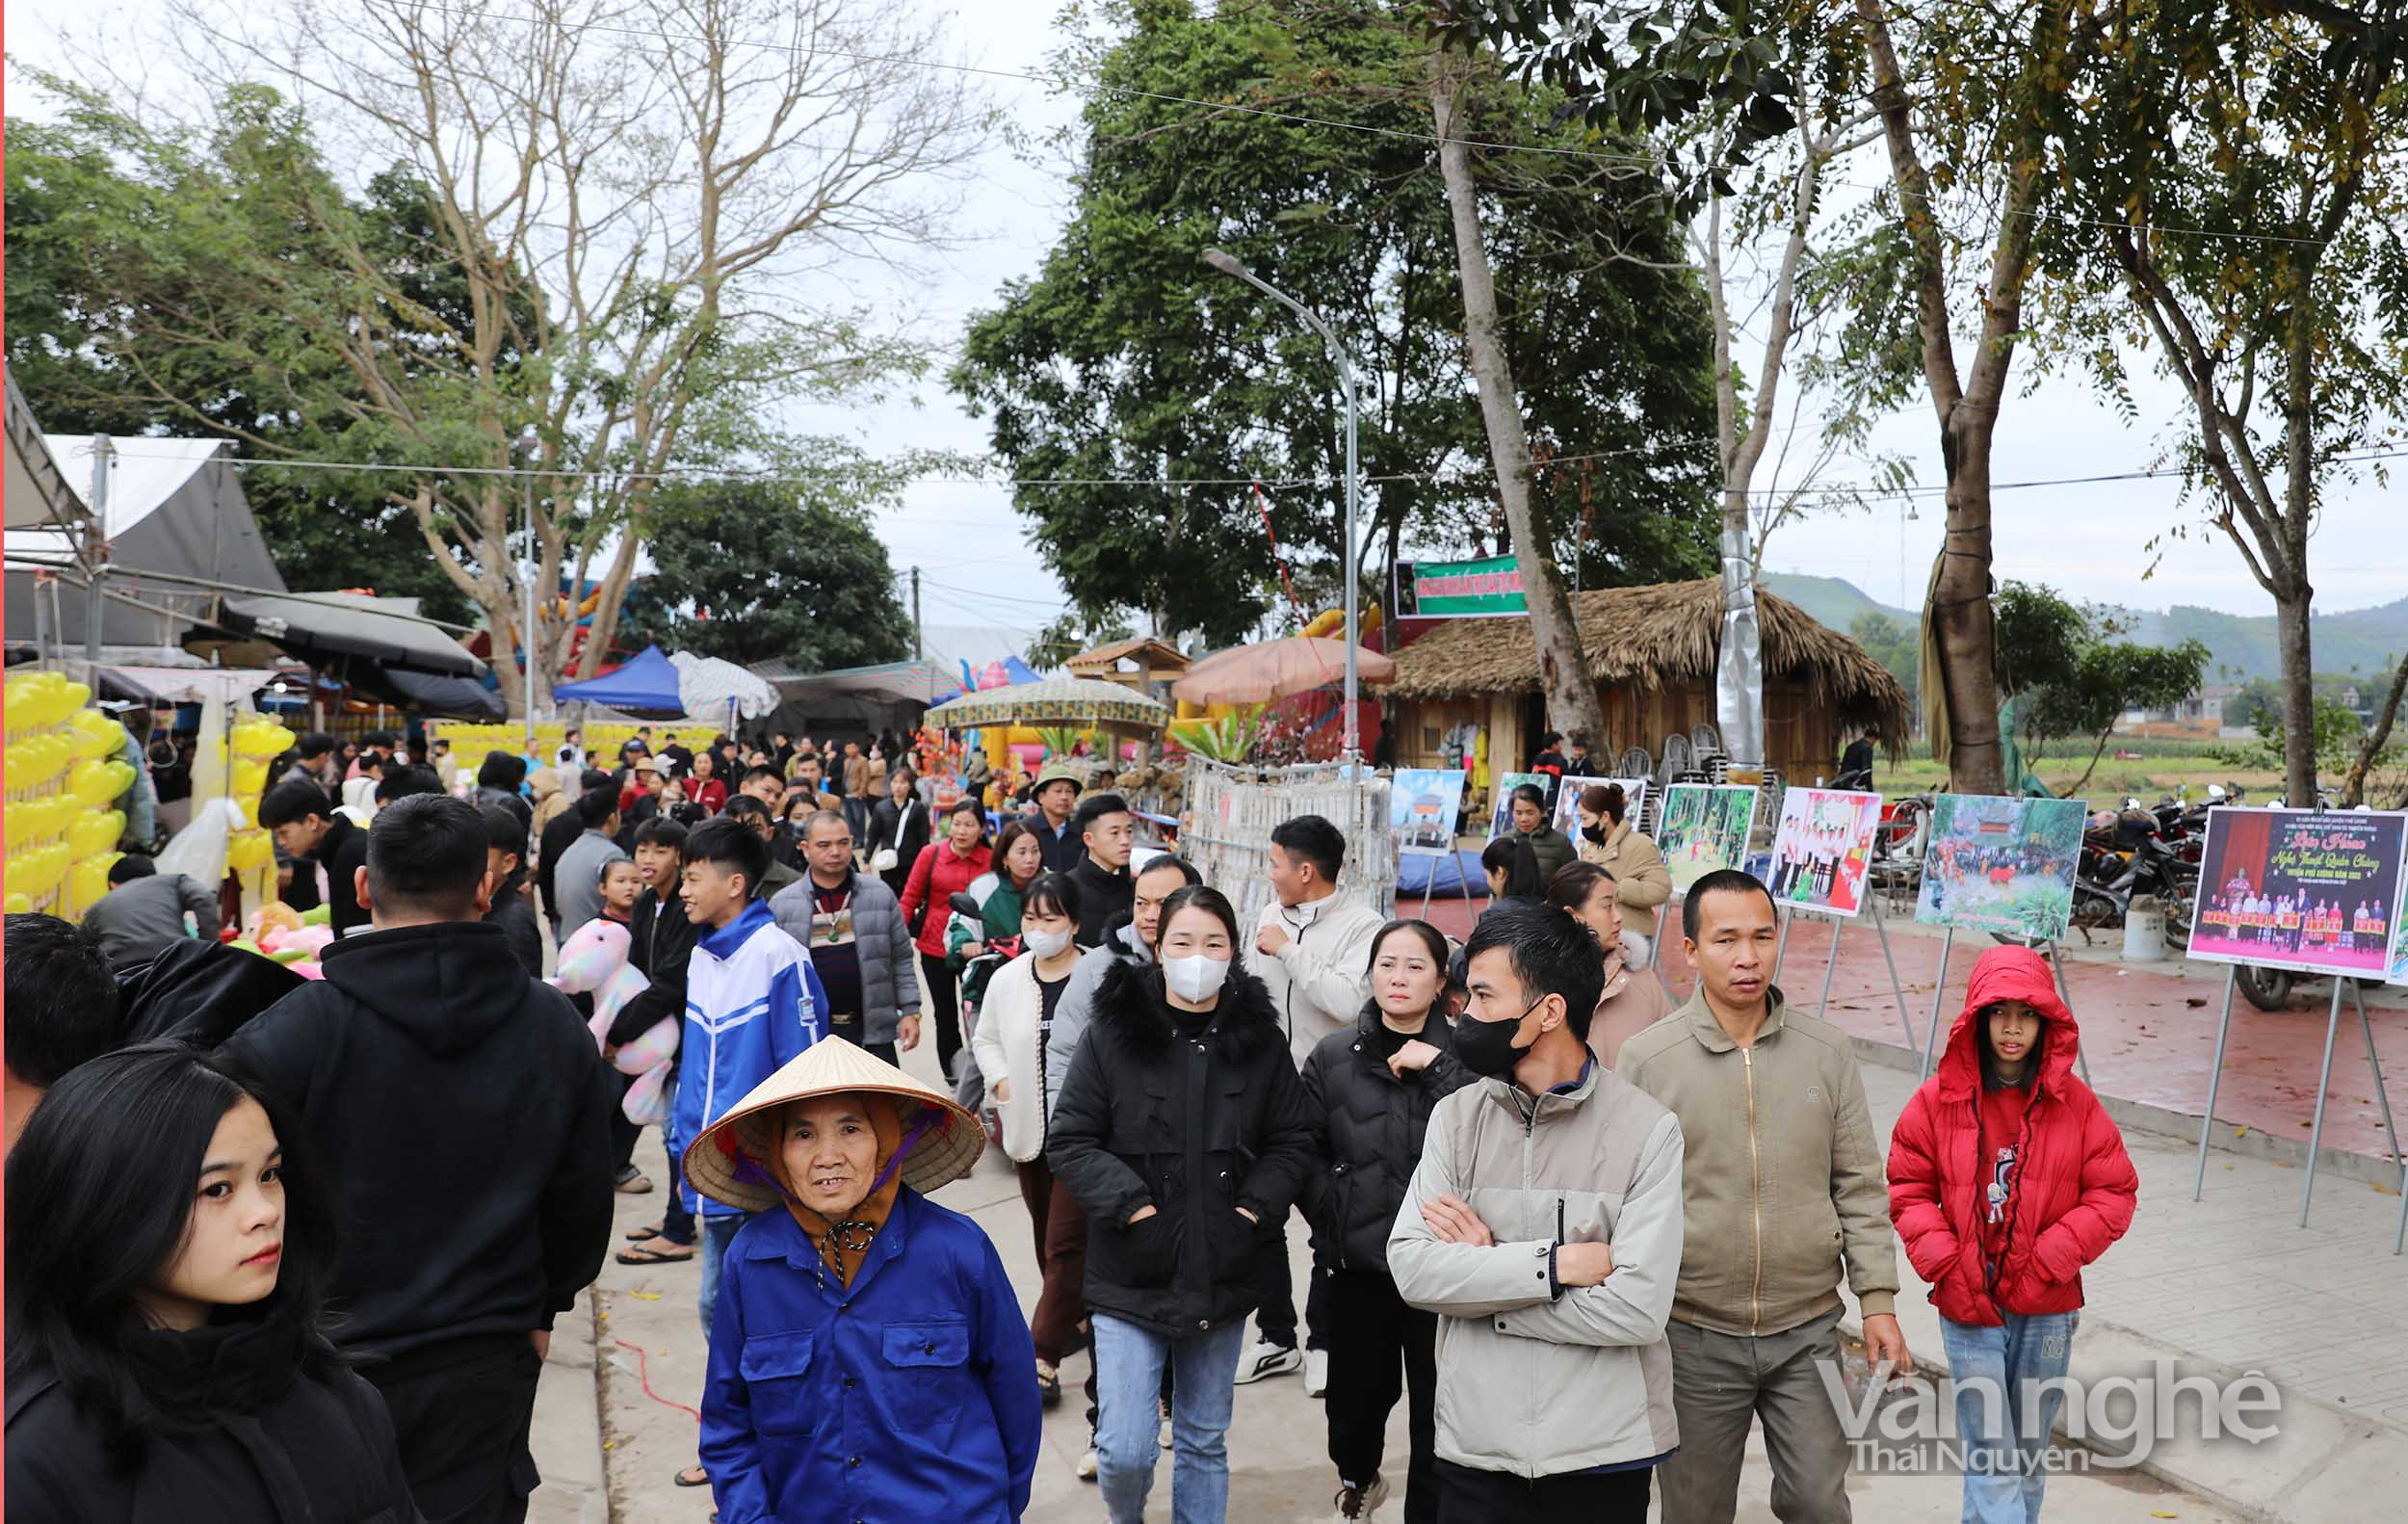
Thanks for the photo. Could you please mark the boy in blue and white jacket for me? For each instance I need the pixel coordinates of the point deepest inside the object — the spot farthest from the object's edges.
(752, 1002)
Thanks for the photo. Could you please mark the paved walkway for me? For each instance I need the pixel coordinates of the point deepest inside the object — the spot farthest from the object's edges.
(2223, 1285)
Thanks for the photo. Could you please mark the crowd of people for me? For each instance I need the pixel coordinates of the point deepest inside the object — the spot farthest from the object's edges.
(286, 1250)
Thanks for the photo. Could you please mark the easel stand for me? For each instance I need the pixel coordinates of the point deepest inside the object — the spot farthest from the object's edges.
(2324, 1082)
(1831, 962)
(1940, 991)
(1429, 879)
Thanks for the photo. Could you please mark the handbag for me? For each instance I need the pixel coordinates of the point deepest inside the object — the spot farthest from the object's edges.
(882, 861)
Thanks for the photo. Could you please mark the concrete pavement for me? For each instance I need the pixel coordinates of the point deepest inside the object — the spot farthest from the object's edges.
(2227, 1284)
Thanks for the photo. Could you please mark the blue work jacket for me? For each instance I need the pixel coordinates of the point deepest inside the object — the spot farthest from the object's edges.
(908, 1397)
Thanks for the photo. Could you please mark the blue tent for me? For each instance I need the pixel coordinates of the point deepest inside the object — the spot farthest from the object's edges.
(647, 685)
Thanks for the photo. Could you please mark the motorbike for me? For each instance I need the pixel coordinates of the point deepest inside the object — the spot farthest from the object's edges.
(2271, 988)
(2111, 876)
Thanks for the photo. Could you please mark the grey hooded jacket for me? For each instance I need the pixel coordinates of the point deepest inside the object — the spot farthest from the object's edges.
(890, 978)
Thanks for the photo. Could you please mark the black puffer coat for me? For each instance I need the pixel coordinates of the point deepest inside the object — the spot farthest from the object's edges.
(1370, 1124)
(1195, 1127)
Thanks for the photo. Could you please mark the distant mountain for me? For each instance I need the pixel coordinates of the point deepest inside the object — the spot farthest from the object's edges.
(2240, 647)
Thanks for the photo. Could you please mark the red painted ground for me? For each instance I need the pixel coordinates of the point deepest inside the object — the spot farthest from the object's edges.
(2150, 1032)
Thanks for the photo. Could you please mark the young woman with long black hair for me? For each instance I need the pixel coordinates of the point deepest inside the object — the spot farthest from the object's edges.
(167, 1357)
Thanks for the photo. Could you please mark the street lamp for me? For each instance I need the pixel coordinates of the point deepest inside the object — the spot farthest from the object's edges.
(530, 445)
(1229, 265)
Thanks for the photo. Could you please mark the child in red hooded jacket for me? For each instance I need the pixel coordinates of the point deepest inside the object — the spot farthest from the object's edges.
(2006, 1177)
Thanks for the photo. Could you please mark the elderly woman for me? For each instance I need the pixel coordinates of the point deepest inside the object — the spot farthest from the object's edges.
(853, 1306)
(1641, 880)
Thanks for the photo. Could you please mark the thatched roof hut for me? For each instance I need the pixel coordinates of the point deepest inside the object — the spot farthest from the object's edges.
(1653, 650)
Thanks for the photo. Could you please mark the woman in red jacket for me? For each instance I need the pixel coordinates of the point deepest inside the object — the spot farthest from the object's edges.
(944, 868)
(2006, 1177)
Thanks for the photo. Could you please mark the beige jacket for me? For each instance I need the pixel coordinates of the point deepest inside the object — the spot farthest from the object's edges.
(1529, 1382)
(1641, 879)
(1784, 1169)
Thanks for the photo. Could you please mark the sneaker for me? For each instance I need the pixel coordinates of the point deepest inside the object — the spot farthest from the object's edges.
(1162, 1436)
(1263, 1359)
(1316, 1372)
(1088, 1464)
(1360, 1503)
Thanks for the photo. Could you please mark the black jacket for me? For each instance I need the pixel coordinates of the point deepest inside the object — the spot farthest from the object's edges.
(1104, 897)
(515, 914)
(343, 851)
(560, 833)
(200, 992)
(1196, 1128)
(283, 1444)
(660, 946)
(884, 818)
(1370, 1124)
(463, 1114)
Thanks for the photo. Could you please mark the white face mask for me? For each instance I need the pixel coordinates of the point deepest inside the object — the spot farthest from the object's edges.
(1045, 944)
(1196, 978)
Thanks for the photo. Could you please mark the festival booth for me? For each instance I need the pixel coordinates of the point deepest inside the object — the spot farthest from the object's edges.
(855, 700)
(1653, 651)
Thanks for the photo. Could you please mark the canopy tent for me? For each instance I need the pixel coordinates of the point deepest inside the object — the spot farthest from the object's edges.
(848, 699)
(447, 698)
(710, 687)
(174, 507)
(1085, 702)
(647, 685)
(39, 492)
(325, 629)
(1272, 669)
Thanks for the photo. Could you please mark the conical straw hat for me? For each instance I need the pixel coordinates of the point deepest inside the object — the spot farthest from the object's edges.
(728, 1162)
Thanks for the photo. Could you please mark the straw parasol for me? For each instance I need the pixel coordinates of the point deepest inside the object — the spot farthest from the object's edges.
(942, 1152)
(1086, 702)
(1258, 674)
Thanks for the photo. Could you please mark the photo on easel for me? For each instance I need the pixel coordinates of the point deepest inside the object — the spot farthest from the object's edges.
(1423, 803)
(1821, 850)
(2315, 891)
(1998, 864)
(1704, 830)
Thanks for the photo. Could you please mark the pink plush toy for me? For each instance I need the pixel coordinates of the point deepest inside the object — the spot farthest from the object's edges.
(594, 962)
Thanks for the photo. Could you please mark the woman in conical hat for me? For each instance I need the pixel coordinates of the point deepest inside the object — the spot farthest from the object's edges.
(868, 1355)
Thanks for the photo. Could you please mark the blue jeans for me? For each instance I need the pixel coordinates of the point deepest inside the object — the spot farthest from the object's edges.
(1992, 1369)
(718, 1232)
(1129, 1364)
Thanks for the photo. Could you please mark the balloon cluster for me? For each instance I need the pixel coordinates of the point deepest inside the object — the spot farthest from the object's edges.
(64, 775)
(252, 742)
(291, 937)
(471, 742)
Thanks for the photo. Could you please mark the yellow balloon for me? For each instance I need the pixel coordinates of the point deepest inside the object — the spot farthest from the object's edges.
(95, 831)
(249, 778)
(89, 880)
(99, 782)
(77, 696)
(19, 904)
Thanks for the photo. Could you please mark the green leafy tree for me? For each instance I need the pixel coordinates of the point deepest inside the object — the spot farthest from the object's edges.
(2073, 676)
(1895, 645)
(754, 570)
(1126, 359)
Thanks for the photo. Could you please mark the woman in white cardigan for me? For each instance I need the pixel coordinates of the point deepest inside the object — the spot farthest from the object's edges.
(1008, 1045)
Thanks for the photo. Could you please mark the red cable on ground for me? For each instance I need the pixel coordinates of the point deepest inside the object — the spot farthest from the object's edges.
(644, 1376)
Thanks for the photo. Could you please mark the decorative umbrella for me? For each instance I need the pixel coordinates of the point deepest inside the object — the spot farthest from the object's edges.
(709, 686)
(1081, 702)
(1257, 675)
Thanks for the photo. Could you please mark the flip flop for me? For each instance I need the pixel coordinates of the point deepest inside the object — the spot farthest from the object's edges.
(656, 1253)
(701, 1478)
(644, 1234)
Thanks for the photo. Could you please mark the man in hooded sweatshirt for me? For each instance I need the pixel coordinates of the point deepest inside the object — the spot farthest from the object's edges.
(463, 1114)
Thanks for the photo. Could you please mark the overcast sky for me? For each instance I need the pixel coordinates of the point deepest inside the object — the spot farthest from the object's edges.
(976, 567)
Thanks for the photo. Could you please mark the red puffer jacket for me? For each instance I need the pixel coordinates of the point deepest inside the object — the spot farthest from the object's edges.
(2073, 1190)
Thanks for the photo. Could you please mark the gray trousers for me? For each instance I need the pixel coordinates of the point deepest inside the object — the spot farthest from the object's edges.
(1722, 1384)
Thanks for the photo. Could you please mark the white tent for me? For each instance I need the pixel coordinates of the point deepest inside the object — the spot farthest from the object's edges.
(174, 507)
(38, 493)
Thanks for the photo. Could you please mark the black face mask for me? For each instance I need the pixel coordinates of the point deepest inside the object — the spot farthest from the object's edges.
(1486, 1047)
(1596, 835)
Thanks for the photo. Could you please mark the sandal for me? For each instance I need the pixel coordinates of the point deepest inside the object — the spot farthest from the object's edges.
(644, 1234)
(1048, 1384)
(693, 1476)
(661, 1252)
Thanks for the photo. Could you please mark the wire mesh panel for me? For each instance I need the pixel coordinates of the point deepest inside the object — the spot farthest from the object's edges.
(1232, 810)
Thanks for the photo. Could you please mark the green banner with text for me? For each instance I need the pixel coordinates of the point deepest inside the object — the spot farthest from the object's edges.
(1459, 590)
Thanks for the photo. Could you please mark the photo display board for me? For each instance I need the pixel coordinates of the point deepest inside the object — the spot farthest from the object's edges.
(1704, 830)
(1821, 850)
(1998, 864)
(2316, 891)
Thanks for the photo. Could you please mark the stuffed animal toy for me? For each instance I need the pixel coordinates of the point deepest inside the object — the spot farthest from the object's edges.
(594, 962)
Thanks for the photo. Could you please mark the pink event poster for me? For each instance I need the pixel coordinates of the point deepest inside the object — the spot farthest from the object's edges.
(1821, 850)
(2312, 890)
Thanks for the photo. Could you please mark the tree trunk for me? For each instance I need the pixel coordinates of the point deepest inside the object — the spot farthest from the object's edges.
(1563, 673)
(1960, 611)
(2299, 699)
(2354, 787)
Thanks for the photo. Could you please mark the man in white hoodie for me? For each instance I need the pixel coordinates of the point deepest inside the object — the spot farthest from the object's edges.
(1314, 953)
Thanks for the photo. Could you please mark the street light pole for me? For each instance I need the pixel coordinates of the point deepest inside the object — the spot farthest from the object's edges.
(533, 446)
(1229, 265)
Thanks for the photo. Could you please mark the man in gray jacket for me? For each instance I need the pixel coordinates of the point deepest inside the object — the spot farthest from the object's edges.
(1543, 1226)
(143, 912)
(1784, 1192)
(578, 879)
(854, 929)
